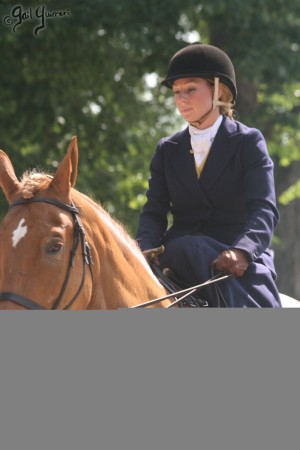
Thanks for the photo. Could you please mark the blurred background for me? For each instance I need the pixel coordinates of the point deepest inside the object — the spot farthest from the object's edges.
(92, 69)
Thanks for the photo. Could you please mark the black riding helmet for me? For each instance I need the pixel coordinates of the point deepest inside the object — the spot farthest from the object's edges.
(204, 61)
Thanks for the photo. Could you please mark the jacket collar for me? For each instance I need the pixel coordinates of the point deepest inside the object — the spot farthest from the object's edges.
(223, 148)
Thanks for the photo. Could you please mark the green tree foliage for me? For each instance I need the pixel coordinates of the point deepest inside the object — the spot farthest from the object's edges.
(84, 74)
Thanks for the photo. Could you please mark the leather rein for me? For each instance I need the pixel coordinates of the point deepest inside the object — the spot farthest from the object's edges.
(185, 293)
(79, 236)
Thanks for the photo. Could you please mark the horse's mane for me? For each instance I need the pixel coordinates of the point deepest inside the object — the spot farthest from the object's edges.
(115, 226)
(116, 229)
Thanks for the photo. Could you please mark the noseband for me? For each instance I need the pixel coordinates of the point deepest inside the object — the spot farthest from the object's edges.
(79, 235)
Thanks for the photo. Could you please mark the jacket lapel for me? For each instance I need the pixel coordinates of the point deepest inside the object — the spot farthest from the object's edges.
(183, 163)
(222, 150)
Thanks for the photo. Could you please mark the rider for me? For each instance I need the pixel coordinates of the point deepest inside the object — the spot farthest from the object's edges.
(216, 179)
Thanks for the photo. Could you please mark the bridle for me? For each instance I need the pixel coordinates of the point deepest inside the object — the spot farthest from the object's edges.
(79, 235)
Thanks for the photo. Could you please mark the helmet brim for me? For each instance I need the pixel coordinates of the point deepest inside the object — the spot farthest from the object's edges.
(168, 82)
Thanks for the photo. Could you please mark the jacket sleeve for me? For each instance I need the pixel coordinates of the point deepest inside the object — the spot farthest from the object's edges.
(258, 184)
(153, 220)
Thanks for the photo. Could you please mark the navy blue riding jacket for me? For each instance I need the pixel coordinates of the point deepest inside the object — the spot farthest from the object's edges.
(233, 201)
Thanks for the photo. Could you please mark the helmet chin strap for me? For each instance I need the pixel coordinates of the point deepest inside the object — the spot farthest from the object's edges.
(215, 103)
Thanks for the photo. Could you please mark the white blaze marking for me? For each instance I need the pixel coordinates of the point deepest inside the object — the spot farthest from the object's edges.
(19, 232)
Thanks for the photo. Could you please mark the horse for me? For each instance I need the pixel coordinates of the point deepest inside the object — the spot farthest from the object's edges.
(61, 250)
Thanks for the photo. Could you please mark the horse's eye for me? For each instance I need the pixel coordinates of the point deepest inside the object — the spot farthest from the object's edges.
(53, 247)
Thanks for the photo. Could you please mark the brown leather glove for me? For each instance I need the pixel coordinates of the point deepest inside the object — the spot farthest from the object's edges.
(152, 254)
(232, 261)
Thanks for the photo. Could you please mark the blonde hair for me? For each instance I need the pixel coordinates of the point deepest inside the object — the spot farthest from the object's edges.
(227, 97)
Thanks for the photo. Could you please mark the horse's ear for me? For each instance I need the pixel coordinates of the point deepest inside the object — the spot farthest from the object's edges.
(73, 151)
(66, 174)
(8, 180)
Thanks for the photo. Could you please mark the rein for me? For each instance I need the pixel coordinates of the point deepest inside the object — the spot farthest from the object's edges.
(79, 236)
(184, 293)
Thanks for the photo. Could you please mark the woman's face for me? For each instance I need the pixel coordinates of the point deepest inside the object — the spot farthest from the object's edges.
(193, 98)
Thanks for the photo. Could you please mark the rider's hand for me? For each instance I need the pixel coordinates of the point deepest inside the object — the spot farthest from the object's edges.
(232, 262)
(152, 254)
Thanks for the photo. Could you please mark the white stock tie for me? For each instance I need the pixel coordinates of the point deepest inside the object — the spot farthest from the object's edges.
(201, 140)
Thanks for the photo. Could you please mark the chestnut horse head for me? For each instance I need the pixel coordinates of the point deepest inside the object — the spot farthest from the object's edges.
(61, 250)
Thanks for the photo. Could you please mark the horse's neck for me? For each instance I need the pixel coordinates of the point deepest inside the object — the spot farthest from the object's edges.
(128, 282)
(123, 278)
